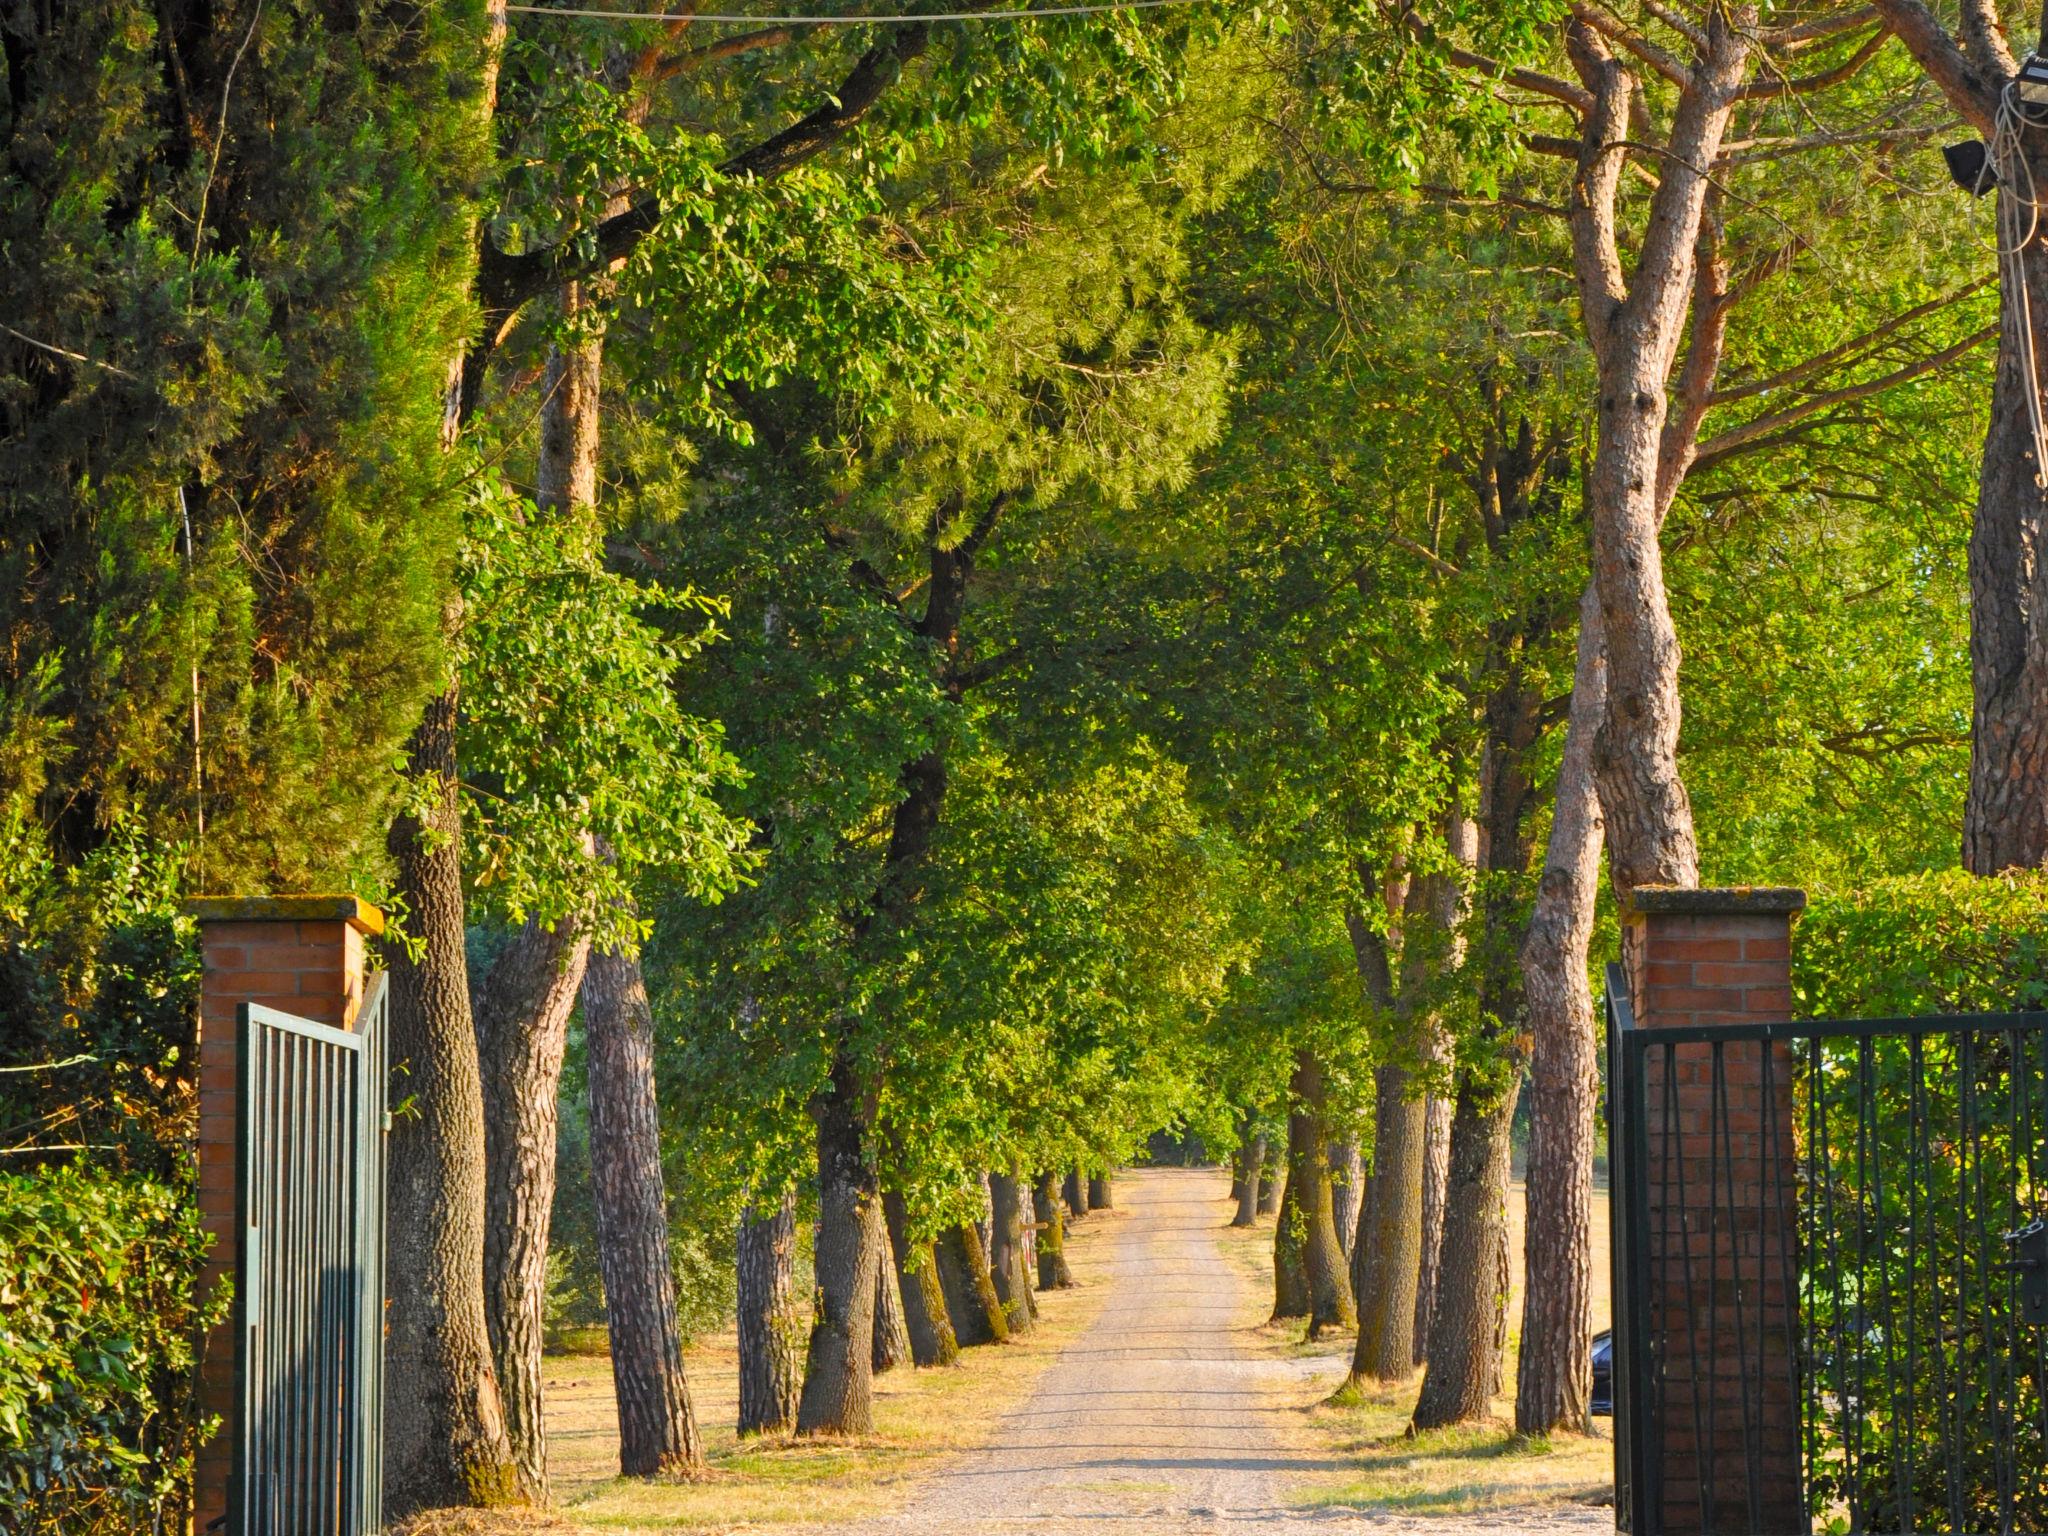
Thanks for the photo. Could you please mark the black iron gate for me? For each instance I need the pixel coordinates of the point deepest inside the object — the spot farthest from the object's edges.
(1836, 1225)
(309, 1292)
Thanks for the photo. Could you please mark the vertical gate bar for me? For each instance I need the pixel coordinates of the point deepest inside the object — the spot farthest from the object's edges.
(246, 1207)
(1811, 1248)
(380, 1153)
(1916, 1136)
(276, 1323)
(1662, 1333)
(1707, 1386)
(330, 1337)
(1901, 1483)
(1824, 1158)
(352, 1317)
(1965, 1070)
(1777, 1146)
(1645, 1382)
(302, 1290)
(2037, 1164)
(1752, 1418)
(1858, 1330)
(2007, 1425)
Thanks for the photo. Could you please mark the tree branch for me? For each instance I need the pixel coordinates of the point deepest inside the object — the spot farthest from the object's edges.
(1780, 85)
(1970, 89)
(1632, 41)
(1773, 424)
(507, 282)
(1822, 361)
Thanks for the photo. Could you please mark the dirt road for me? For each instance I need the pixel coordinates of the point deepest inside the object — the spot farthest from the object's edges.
(1161, 1417)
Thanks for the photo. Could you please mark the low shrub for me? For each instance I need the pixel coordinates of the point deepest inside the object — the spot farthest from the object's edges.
(100, 1302)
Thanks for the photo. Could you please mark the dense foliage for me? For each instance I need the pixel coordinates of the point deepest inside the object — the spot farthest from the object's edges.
(100, 1308)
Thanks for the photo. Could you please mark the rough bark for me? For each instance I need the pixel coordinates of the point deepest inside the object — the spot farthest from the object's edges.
(1436, 1178)
(1270, 1176)
(522, 1027)
(892, 1326)
(2005, 812)
(838, 1391)
(1053, 1273)
(1291, 1296)
(1387, 1258)
(970, 1290)
(657, 1424)
(1463, 1364)
(1635, 322)
(1554, 1375)
(1347, 1178)
(1075, 1193)
(1009, 1255)
(932, 1341)
(444, 1429)
(1100, 1187)
(1248, 1169)
(1325, 1276)
(770, 1328)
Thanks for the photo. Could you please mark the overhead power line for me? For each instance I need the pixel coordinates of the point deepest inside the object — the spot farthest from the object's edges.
(895, 18)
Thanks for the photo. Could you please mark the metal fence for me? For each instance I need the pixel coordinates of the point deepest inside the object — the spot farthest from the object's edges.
(1830, 1274)
(309, 1293)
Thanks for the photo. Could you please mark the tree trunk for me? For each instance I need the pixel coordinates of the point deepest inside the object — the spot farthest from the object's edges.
(1053, 1273)
(1462, 1366)
(522, 1026)
(1386, 1261)
(657, 1425)
(1635, 321)
(892, 1326)
(1347, 1175)
(932, 1341)
(444, 1428)
(1099, 1186)
(977, 1311)
(2005, 813)
(1554, 1379)
(770, 1329)
(1324, 1273)
(838, 1392)
(1436, 1177)
(1076, 1193)
(1248, 1170)
(524, 1004)
(1009, 1260)
(1291, 1296)
(1270, 1172)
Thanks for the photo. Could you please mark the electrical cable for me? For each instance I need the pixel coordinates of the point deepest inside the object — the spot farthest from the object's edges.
(856, 20)
(2014, 171)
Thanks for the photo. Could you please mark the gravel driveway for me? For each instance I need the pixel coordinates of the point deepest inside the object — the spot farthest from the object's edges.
(1160, 1418)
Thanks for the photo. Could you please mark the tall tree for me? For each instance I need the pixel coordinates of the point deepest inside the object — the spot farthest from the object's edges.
(2005, 818)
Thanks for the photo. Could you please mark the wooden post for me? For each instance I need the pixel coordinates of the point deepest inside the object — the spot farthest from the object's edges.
(300, 955)
(1723, 1213)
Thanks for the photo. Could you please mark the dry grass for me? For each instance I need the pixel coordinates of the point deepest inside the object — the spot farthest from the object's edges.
(1362, 1436)
(921, 1418)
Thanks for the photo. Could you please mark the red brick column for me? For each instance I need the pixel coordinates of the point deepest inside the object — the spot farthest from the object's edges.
(298, 954)
(1722, 1218)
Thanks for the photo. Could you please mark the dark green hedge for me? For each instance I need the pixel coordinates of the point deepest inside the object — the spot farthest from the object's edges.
(99, 1307)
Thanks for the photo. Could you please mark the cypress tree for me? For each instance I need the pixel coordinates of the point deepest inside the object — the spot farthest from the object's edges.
(232, 285)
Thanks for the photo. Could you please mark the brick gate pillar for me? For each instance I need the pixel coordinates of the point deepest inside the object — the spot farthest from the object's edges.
(300, 955)
(1722, 1219)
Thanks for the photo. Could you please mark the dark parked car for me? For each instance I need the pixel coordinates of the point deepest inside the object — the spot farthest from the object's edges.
(1603, 1372)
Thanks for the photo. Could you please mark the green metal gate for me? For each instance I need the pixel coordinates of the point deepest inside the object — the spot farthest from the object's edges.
(309, 1284)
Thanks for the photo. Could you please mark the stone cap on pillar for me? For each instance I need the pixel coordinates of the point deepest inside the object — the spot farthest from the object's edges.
(1719, 900)
(353, 910)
